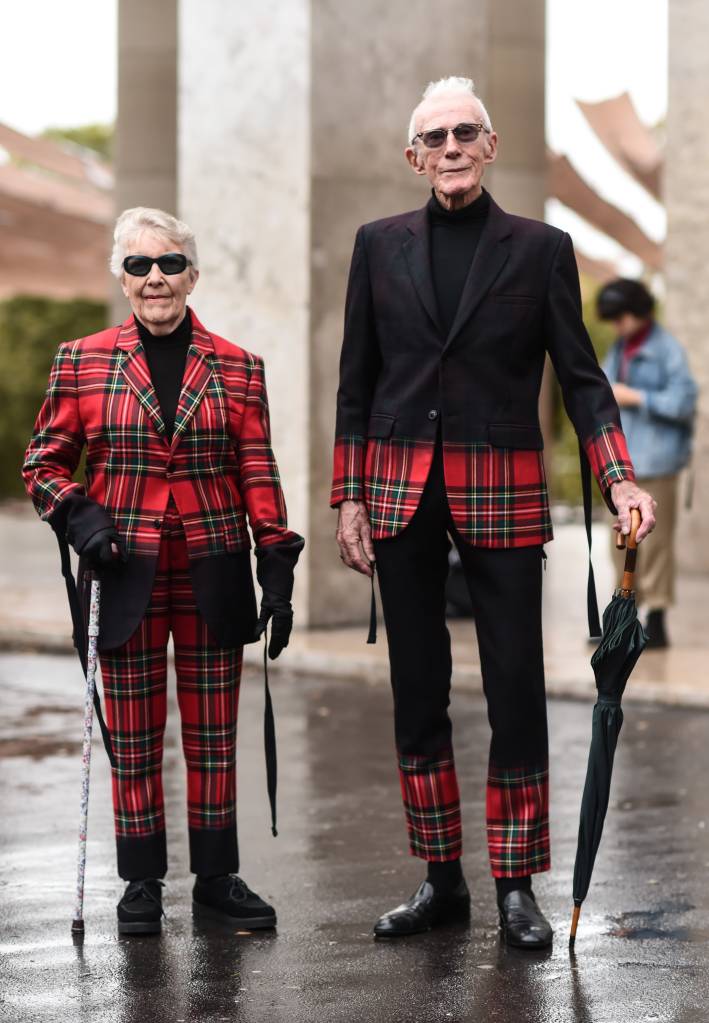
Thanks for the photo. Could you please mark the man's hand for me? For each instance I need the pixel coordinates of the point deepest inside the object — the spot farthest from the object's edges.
(627, 397)
(627, 495)
(354, 536)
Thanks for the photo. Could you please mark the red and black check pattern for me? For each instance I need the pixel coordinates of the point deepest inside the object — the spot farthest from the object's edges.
(497, 496)
(517, 813)
(219, 466)
(518, 820)
(429, 788)
(135, 687)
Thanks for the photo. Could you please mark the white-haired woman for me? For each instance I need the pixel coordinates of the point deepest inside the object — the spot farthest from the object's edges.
(175, 425)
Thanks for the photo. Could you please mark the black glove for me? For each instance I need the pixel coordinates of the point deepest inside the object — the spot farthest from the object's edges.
(89, 529)
(274, 571)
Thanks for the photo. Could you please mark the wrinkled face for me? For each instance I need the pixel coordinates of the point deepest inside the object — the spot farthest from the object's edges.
(455, 170)
(158, 300)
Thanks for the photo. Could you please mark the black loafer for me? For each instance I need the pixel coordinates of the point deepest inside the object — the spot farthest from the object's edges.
(523, 923)
(424, 910)
(229, 898)
(140, 909)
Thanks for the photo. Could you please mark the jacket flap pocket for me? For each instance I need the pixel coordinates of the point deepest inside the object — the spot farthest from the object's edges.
(380, 426)
(511, 435)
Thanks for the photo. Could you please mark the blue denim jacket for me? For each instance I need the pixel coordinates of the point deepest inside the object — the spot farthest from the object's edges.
(658, 432)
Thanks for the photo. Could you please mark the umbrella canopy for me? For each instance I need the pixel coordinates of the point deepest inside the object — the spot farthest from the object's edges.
(622, 642)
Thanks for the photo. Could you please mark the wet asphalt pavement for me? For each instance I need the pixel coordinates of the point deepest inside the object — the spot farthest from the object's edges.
(339, 861)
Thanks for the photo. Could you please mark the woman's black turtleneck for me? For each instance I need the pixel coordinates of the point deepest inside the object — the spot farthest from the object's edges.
(166, 357)
(454, 239)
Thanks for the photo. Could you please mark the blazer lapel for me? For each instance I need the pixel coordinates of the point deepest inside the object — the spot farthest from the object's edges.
(417, 250)
(491, 255)
(198, 372)
(134, 367)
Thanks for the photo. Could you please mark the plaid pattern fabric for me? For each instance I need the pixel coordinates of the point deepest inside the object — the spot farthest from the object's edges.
(518, 820)
(219, 466)
(134, 681)
(429, 788)
(497, 496)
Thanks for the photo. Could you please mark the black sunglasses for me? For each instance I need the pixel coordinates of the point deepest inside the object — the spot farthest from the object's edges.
(171, 263)
(437, 137)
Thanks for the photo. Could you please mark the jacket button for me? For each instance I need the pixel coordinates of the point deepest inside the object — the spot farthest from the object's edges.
(157, 523)
(433, 414)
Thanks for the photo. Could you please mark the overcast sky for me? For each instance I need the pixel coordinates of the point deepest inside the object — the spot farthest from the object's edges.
(58, 68)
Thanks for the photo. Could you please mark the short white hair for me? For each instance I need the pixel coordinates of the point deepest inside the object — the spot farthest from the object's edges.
(142, 218)
(454, 83)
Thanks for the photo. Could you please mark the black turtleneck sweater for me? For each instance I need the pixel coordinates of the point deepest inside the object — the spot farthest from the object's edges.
(166, 357)
(454, 238)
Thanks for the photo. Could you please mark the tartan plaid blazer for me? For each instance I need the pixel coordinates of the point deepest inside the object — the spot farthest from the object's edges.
(402, 380)
(219, 466)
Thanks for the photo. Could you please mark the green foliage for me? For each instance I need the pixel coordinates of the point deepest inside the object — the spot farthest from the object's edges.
(565, 484)
(31, 329)
(98, 137)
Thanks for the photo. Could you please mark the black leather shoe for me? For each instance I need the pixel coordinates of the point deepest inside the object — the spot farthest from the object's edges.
(523, 923)
(229, 898)
(140, 910)
(424, 910)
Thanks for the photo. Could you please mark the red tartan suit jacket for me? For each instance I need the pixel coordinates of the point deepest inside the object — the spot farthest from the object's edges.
(402, 380)
(219, 467)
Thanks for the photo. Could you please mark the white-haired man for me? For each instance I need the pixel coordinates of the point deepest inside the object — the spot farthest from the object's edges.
(450, 311)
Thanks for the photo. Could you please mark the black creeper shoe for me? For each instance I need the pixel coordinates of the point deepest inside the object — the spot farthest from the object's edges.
(140, 909)
(229, 898)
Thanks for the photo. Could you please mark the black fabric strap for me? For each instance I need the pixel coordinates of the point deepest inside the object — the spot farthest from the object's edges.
(594, 624)
(79, 637)
(269, 739)
(372, 636)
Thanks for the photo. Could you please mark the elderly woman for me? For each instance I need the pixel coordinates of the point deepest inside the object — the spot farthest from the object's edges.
(175, 423)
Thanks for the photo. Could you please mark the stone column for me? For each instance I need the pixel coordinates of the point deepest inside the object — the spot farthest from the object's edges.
(146, 125)
(293, 121)
(687, 250)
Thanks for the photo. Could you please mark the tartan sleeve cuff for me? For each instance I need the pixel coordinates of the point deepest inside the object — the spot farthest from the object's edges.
(608, 457)
(348, 470)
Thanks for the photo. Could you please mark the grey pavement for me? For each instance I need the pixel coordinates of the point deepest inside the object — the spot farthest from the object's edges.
(339, 861)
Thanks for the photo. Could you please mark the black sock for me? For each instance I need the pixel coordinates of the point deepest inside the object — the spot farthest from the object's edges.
(505, 885)
(444, 876)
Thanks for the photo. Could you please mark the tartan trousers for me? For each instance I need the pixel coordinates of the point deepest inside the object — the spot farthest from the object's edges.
(135, 687)
(506, 589)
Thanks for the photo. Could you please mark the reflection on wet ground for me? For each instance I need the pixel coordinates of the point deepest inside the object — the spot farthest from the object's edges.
(642, 951)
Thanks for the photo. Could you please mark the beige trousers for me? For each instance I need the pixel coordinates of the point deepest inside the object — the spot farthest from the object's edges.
(655, 575)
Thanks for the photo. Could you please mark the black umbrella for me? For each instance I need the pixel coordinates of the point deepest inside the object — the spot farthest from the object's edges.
(622, 642)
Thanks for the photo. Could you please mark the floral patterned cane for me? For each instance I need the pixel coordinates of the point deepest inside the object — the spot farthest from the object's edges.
(77, 926)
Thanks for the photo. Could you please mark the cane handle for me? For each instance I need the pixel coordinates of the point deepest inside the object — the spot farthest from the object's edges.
(632, 543)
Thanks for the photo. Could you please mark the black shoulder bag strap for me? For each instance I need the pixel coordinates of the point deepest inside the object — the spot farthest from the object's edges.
(79, 637)
(594, 624)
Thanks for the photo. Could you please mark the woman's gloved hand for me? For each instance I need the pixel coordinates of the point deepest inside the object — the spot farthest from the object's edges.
(275, 564)
(90, 530)
(103, 549)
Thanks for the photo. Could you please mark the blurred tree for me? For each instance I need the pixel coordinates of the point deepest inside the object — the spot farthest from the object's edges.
(31, 329)
(98, 137)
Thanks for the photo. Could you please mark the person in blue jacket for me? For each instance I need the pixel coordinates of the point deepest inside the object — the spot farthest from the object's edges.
(657, 395)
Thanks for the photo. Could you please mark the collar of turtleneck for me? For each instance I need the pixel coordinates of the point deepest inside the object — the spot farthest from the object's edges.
(475, 210)
(177, 337)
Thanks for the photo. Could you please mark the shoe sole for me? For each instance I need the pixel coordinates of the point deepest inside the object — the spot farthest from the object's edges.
(139, 927)
(249, 923)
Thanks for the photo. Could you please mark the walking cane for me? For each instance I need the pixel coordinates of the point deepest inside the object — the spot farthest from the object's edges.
(77, 926)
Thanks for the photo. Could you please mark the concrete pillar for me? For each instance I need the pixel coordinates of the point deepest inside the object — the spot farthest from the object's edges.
(687, 249)
(146, 125)
(293, 120)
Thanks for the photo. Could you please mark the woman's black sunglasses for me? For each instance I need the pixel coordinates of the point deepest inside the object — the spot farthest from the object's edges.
(170, 263)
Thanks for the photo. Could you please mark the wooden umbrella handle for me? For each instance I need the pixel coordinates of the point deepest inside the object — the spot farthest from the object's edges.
(631, 545)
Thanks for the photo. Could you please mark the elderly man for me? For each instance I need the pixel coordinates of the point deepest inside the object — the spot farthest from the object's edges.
(450, 311)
